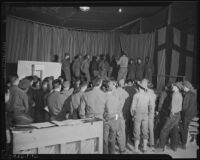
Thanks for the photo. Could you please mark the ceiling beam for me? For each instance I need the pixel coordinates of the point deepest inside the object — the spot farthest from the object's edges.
(127, 24)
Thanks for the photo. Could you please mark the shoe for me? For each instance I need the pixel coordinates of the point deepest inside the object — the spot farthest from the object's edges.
(159, 150)
(123, 152)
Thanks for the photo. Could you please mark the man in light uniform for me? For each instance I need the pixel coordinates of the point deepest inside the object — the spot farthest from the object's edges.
(122, 96)
(123, 63)
(140, 110)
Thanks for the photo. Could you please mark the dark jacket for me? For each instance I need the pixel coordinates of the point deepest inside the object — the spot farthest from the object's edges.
(189, 105)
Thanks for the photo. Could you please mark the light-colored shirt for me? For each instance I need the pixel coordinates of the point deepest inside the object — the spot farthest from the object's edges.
(177, 101)
(141, 103)
(123, 61)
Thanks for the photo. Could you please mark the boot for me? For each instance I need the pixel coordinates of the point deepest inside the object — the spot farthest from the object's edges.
(145, 145)
(136, 145)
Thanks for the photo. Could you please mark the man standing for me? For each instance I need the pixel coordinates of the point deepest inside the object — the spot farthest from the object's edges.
(111, 120)
(76, 67)
(103, 68)
(189, 110)
(55, 100)
(85, 67)
(139, 70)
(18, 106)
(148, 69)
(173, 119)
(121, 134)
(131, 70)
(123, 63)
(66, 67)
(93, 101)
(140, 110)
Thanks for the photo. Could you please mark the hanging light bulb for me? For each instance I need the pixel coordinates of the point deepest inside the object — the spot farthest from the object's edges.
(84, 9)
(119, 10)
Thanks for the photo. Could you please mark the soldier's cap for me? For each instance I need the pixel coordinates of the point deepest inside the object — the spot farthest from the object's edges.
(188, 85)
(144, 83)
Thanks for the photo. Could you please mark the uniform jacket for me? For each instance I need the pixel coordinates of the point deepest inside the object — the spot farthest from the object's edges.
(93, 103)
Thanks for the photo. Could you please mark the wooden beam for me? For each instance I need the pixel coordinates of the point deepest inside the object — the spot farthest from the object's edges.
(127, 24)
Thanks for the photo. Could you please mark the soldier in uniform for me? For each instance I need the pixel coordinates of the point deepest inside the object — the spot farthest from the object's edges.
(139, 70)
(76, 67)
(131, 70)
(103, 68)
(123, 63)
(148, 69)
(85, 67)
(111, 122)
(66, 67)
(139, 110)
(93, 101)
(122, 96)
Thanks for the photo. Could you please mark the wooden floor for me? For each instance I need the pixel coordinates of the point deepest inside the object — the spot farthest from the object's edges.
(190, 152)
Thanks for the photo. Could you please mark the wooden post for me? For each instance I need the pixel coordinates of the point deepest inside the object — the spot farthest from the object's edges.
(169, 15)
(140, 25)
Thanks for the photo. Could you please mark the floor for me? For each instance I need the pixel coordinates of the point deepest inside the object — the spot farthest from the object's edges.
(190, 152)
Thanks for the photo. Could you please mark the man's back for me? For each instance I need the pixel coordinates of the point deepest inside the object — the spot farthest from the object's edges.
(55, 103)
(18, 100)
(94, 102)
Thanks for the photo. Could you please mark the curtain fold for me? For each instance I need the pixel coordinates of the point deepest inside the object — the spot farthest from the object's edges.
(139, 45)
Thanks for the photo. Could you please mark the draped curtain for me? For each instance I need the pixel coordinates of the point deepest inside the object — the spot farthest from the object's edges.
(139, 45)
(30, 41)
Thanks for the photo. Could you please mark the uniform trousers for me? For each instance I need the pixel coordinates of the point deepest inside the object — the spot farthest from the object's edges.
(122, 73)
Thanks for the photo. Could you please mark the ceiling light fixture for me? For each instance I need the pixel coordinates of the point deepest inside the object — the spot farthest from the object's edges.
(84, 9)
(119, 10)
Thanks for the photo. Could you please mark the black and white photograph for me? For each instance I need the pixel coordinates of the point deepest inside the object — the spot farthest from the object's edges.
(100, 78)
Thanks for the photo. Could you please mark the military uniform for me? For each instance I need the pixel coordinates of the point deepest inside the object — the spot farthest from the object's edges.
(103, 68)
(148, 71)
(76, 68)
(18, 106)
(122, 95)
(66, 69)
(123, 63)
(139, 72)
(111, 123)
(85, 69)
(93, 104)
(75, 104)
(151, 117)
(55, 102)
(131, 71)
(139, 110)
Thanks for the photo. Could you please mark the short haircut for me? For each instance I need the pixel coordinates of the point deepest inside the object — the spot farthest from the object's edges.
(96, 81)
(56, 83)
(30, 78)
(13, 78)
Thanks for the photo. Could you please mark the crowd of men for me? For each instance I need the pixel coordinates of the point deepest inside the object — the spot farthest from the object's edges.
(127, 103)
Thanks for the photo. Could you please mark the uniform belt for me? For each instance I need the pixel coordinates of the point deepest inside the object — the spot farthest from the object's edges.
(176, 113)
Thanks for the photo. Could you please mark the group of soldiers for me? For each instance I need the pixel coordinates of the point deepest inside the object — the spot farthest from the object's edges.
(127, 107)
(123, 68)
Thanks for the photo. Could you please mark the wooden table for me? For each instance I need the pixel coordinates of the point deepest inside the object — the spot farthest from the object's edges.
(72, 139)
